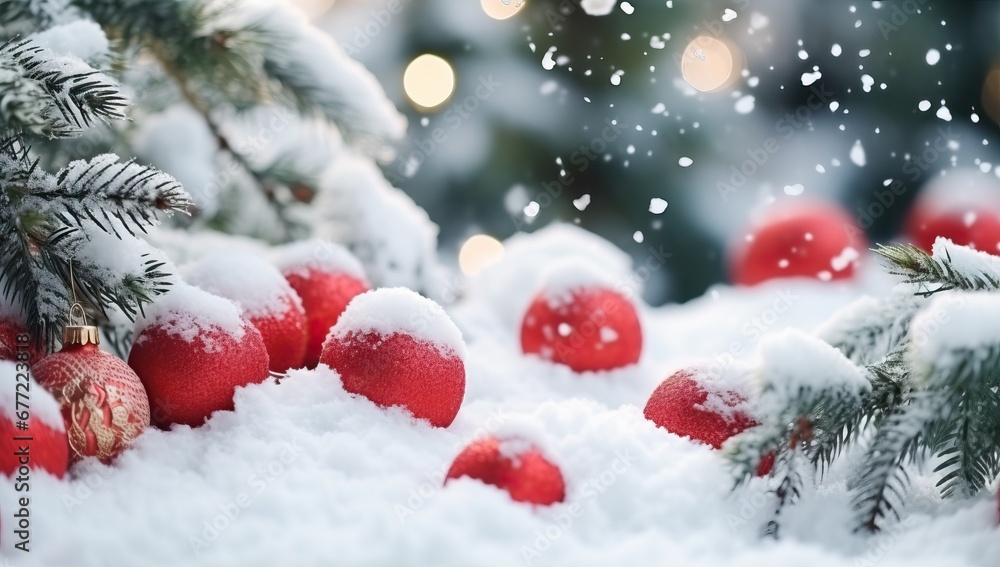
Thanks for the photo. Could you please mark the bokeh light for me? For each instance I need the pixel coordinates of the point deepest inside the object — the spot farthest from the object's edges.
(502, 9)
(710, 64)
(429, 81)
(478, 252)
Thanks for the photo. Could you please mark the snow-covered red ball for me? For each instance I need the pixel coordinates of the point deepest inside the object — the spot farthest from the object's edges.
(192, 350)
(267, 299)
(817, 241)
(44, 436)
(580, 320)
(397, 348)
(703, 406)
(326, 277)
(511, 464)
(103, 403)
(963, 206)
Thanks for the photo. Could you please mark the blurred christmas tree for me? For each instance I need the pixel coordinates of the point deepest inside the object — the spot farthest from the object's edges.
(271, 130)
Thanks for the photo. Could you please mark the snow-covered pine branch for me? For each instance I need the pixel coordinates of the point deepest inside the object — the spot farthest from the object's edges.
(952, 412)
(312, 70)
(870, 329)
(53, 95)
(949, 267)
(54, 220)
(103, 189)
(809, 391)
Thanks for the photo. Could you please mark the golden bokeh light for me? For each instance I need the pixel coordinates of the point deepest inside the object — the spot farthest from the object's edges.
(478, 252)
(429, 81)
(502, 9)
(710, 64)
(991, 93)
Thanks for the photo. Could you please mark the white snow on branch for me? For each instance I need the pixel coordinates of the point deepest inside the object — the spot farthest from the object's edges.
(951, 325)
(969, 263)
(311, 63)
(81, 38)
(793, 362)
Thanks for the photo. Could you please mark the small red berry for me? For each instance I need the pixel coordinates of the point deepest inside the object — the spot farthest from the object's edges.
(512, 465)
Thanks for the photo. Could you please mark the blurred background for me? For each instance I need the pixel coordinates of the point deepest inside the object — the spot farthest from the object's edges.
(667, 125)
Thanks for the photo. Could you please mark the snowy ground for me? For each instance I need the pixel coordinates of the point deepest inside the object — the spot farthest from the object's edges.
(304, 474)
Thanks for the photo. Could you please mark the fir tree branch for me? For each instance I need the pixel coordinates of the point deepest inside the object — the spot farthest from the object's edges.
(972, 457)
(103, 190)
(53, 96)
(919, 267)
(880, 489)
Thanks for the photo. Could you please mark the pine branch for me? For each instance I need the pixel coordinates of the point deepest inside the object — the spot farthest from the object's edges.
(869, 329)
(880, 489)
(53, 96)
(919, 267)
(789, 490)
(972, 457)
(103, 190)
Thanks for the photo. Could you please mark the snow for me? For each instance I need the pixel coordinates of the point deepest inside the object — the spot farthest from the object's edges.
(188, 312)
(858, 154)
(504, 289)
(564, 277)
(177, 140)
(961, 190)
(744, 105)
(245, 278)
(393, 238)
(731, 389)
(966, 261)
(41, 405)
(598, 7)
(951, 323)
(303, 468)
(387, 311)
(321, 255)
(81, 38)
(348, 90)
(657, 205)
(793, 360)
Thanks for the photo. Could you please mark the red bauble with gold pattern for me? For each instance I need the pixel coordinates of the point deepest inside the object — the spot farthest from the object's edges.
(102, 400)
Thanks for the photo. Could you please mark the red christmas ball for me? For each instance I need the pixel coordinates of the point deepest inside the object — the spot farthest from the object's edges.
(681, 405)
(192, 350)
(326, 277)
(512, 465)
(978, 229)
(45, 435)
(397, 348)
(15, 339)
(962, 206)
(586, 328)
(267, 299)
(104, 405)
(808, 241)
